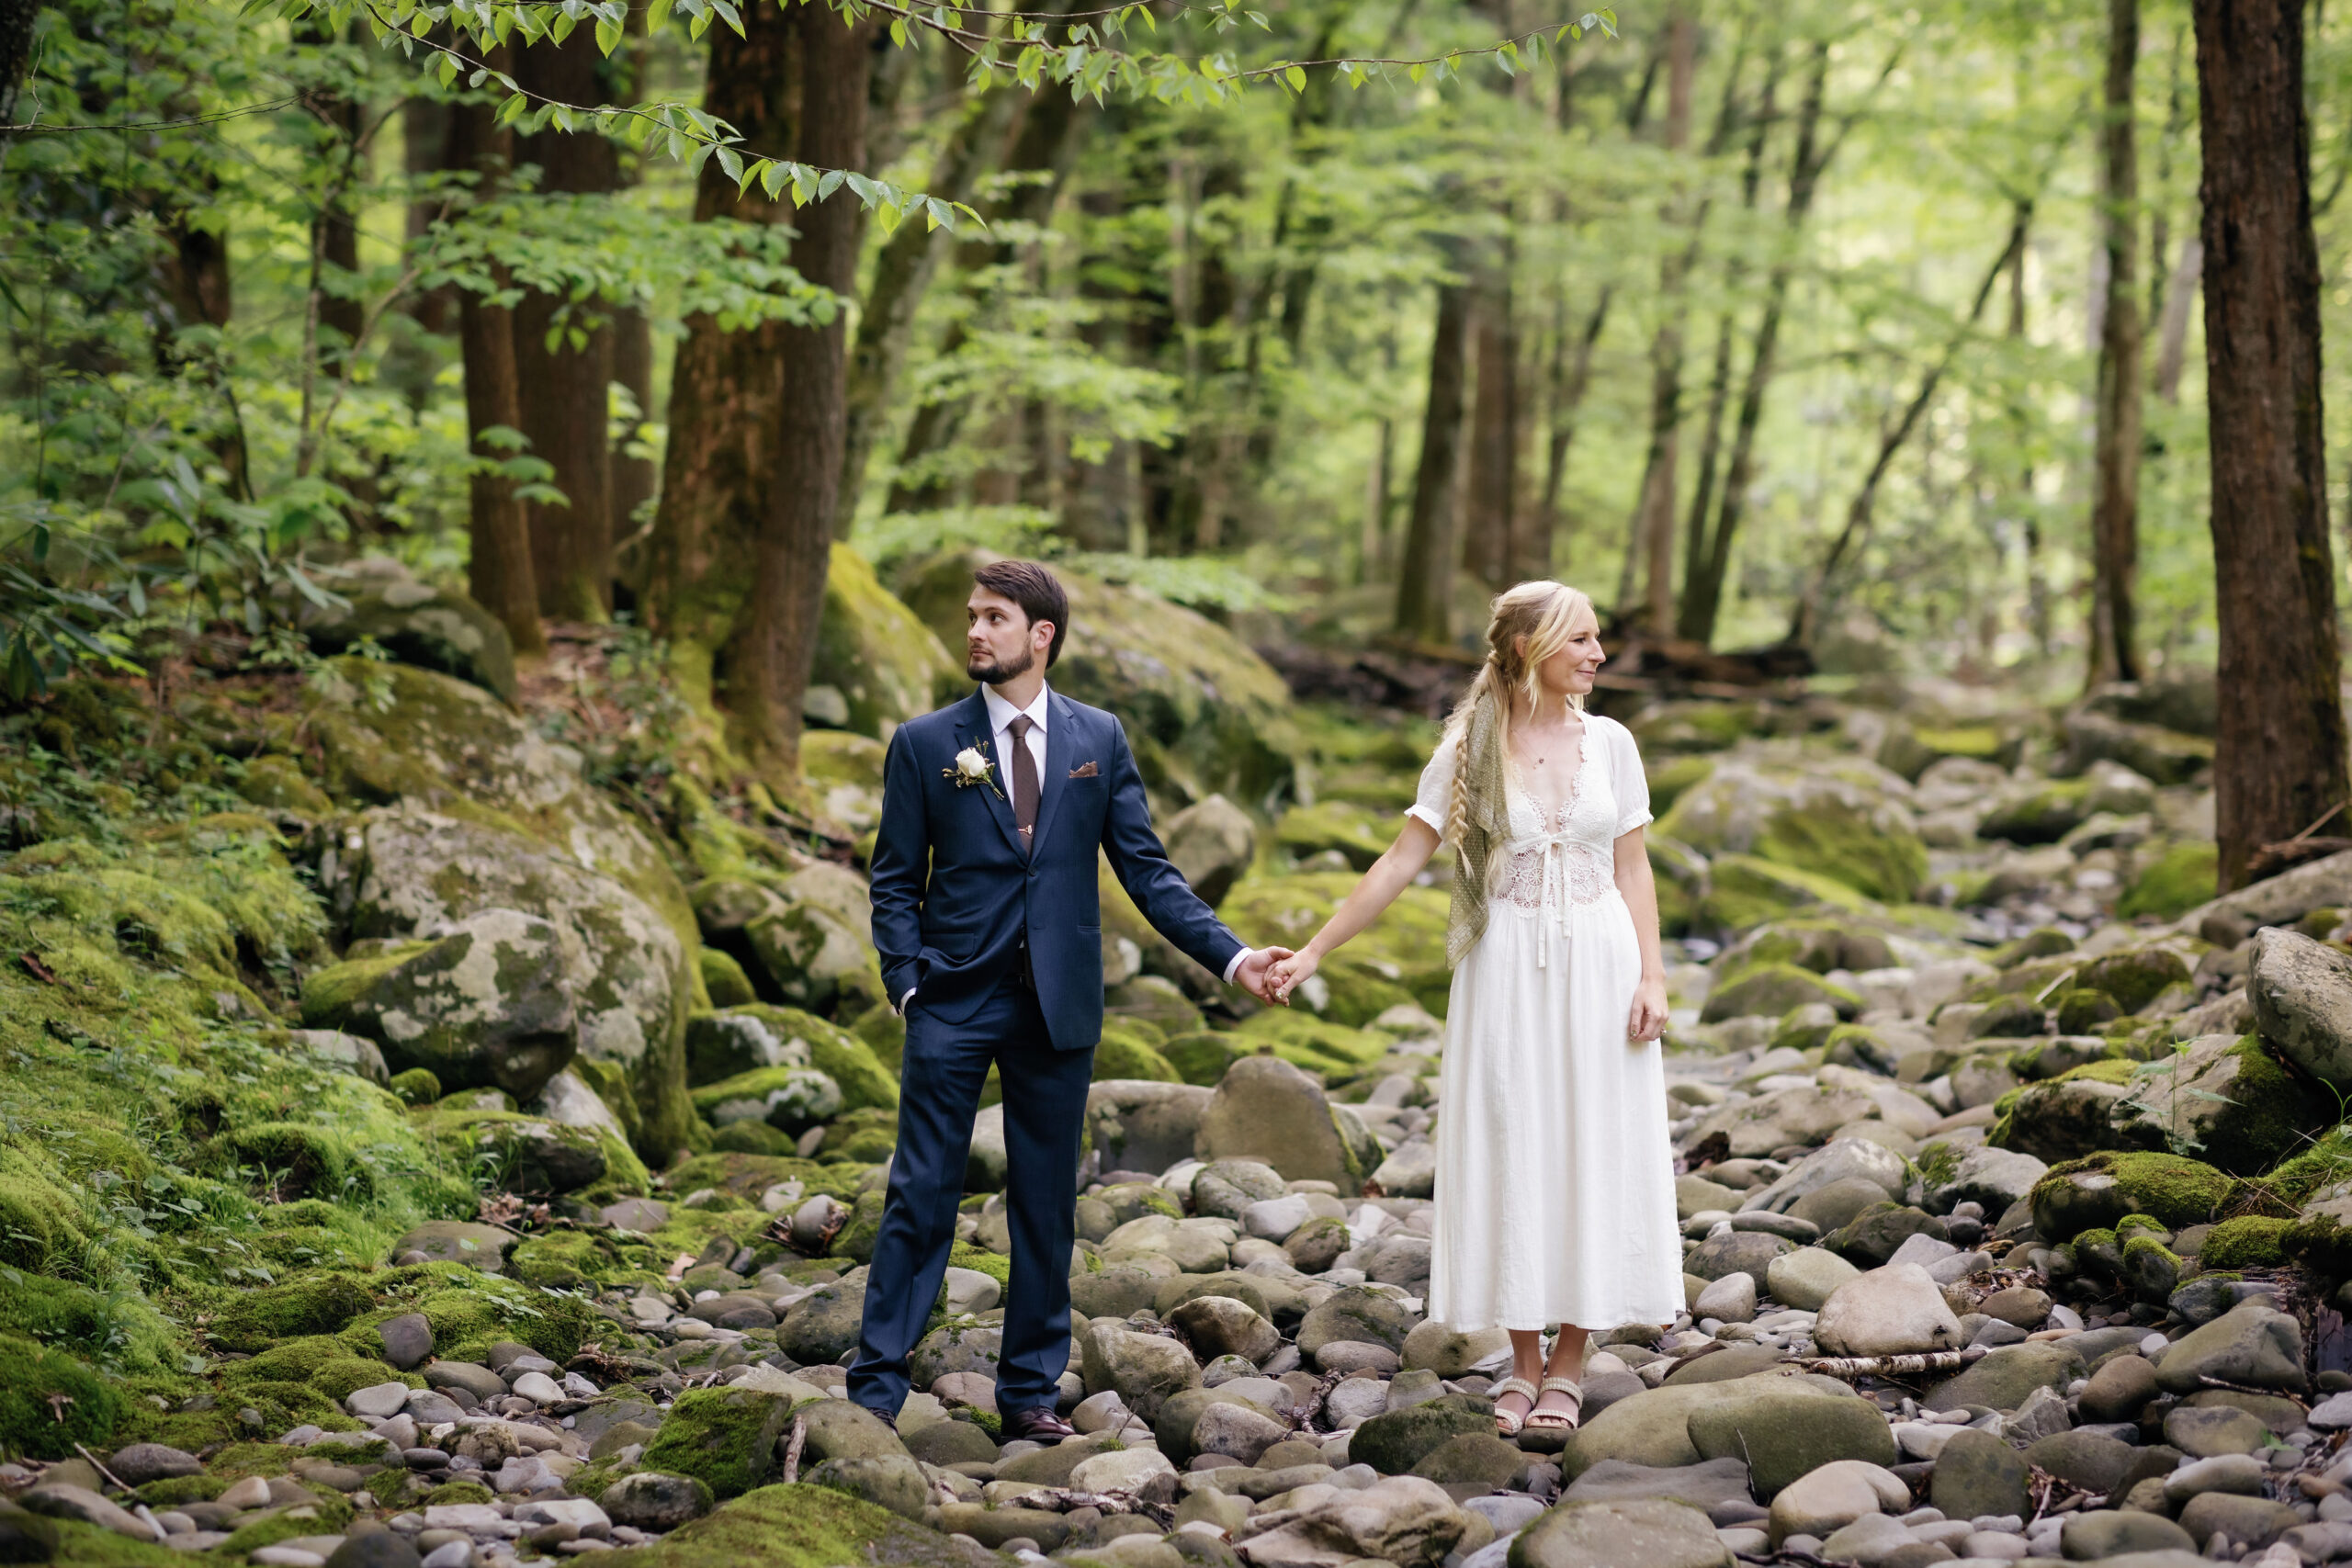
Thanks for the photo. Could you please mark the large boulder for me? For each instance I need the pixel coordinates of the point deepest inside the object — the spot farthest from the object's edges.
(2275, 901)
(1204, 713)
(484, 813)
(2225, 1097)
(876, 665)
(2008, 1376)
(1145, 1124)
(2067, 1117)
(2302, 992)
(1785, 1430)
(1654, 1427)
(487, 1005)
(1848, 820)
(1270, 1111)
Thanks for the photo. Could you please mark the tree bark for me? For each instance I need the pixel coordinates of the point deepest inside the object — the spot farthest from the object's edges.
(565, 388)
(2115, 505)
(2172, 331)
(1425, 577)
(726, 387)
(1490, 493)
(797, 531)
(499, 573)
(2280, 753)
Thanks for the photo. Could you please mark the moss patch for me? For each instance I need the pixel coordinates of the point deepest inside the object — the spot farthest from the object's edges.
(801, 1526)
(2249, 1241)
(2171, 883)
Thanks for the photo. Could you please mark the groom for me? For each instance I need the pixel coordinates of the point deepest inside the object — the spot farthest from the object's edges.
(986, 916)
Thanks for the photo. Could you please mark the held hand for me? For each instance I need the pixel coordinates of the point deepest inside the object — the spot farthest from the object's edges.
(1649, 1019)
(1292, 973)
(1255, 975)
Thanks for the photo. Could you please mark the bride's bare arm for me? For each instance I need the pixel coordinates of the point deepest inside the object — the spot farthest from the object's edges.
(1639, 886)
(1389, 875)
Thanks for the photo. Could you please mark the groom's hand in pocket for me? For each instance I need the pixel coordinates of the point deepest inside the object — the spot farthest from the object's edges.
(1256, 973)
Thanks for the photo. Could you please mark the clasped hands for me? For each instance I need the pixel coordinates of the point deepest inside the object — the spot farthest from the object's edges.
(1257, 971)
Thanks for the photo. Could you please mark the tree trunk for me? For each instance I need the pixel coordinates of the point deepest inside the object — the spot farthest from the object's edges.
(564, 387)
(2280, 753)
(1425, 576)
(499, 566)
(797, 530)
(1490, 490)
(631, 479)
(725, 387)
(2115, 505)
(425, 141)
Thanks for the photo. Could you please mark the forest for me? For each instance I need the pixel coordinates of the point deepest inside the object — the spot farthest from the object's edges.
(483, 483)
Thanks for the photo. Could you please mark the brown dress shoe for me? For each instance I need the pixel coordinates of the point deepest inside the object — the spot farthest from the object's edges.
(1036, 1425)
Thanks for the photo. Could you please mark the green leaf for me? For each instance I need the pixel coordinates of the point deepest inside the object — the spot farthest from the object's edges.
(830, 182)
(1296, 77)
(732, 165)
(608, 38)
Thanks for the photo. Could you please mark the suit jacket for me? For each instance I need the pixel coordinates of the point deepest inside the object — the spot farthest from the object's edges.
(953, 893)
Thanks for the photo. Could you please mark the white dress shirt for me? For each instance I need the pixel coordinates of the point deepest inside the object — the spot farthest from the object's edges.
(1001, 713)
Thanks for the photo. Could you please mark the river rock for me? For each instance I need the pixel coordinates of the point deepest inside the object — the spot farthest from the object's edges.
(1229, 1187)
(1736, 1252)
(1784, 1430)
(650, 1500)
(1992, 1178)
(2007, 1375)
(1610, 1533)
(2253, 1522)
(140, 1464)
(1731, 1299)
(2302, 992)
(1826, 1499)
(1840, 1159)
(1403, 1519)
(1356, 1313)
(1767, 1121)
(1807, 1277)
(1219, 1326)
(1891, 1310)
(1212, 842)
(1977, 1473)
(2253, 1344)
(1142, 1369)
(2112, 1532)
(2120, 1388)
(1701, 1486)
(2202, 1431)
(1451, 1352)
(1269, 1112)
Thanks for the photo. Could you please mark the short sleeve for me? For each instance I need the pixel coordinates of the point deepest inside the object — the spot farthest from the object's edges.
(1434, 800)
(1626, 780)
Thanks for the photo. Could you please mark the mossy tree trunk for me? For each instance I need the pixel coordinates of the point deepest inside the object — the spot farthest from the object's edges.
(2280, 753)
(796, 538)
(725, 387)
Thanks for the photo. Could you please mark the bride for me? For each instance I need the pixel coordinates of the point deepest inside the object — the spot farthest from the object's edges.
(1555, 1181)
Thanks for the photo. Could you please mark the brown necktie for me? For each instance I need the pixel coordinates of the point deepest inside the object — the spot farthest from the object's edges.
(1024, 781)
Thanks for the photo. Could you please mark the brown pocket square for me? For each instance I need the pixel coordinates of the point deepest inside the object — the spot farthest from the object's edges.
(1085, 771)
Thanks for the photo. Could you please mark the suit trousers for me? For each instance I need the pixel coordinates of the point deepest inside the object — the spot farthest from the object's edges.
(1045, 1111)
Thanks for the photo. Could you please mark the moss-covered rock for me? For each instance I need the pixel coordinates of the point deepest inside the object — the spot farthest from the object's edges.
(724, 1438)
(1126, 1052)
(2135, 977)
(49, 1402)
(2225, 1096)
(2039, 811)
(2101, 1189)
(1358, 833)
(2250, 1241)
(791, 1100)
(1394, 1442)
(1845, 820)
(2170, 881)
(733, 1041)
(431, 627)
(1772, 989)
(1203, 1057)
(723, 978)
(1307, 1042)
(255, 1320)
(804, 1526)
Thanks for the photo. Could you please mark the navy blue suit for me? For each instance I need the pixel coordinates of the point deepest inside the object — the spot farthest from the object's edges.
(955, 896)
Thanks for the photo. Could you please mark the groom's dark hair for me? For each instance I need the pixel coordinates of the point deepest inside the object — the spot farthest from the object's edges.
(1037, 591)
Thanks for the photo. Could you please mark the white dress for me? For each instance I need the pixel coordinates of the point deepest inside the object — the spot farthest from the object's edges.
(1554, 1178)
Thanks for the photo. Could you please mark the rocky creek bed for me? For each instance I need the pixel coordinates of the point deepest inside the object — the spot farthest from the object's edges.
(430, 1133)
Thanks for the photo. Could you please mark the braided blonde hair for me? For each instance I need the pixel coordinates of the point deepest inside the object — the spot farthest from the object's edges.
(1529, 623)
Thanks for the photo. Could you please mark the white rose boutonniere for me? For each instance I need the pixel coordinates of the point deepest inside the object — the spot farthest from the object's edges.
(973, 767)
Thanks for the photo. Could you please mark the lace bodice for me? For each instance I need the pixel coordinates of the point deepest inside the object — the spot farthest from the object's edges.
(1564, 858)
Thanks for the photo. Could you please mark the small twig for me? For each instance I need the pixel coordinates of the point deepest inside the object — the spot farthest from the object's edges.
(2244, 1388)
(792, 1450)
(109, 1475)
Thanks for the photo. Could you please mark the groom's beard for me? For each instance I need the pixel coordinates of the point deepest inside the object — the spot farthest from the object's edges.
(994, 672)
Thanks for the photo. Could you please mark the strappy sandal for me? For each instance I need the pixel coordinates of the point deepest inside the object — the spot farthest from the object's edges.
(1506, 1424)
(1542, 1420)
